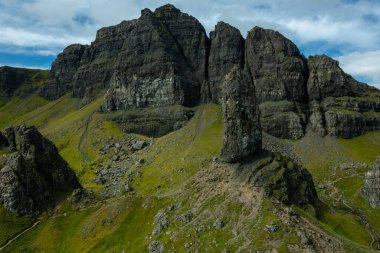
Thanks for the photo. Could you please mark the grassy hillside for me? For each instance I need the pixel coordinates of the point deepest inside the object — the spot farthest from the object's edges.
(180, 189)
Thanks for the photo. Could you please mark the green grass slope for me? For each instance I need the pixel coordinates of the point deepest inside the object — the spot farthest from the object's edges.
(179, 176)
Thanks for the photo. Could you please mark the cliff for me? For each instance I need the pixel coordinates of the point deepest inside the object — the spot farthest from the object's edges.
(165, 58)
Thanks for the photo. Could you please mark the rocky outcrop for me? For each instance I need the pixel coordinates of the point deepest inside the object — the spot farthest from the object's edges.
(280, 178)
(327, 79)
(339, 105)
(33, 174)
(227, 50)
(241, 120)
(371, 188)
(279, 73)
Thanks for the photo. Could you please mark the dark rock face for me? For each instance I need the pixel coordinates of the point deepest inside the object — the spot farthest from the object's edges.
(227, 50)
(371, 188)
(153, 69)
(62, 72)
(190, 37)
(278, 69)
(3, 141)
(283, 119)
(158, 59)
(279, 73)
(327, 79)
(33, 174)
(241, 120)
(10, 136)
(339, 105)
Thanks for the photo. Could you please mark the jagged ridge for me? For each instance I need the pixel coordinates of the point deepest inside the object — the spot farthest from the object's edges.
(165, 58)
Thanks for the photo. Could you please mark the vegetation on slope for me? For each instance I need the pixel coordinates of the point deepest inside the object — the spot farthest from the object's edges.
(176, 172)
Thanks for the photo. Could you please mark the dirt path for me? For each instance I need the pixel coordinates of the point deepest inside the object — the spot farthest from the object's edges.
(20, 234)
(42, 220)
(367, 225)
(85, 132)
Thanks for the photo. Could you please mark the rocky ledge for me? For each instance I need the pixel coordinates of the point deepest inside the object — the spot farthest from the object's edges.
(33, 173)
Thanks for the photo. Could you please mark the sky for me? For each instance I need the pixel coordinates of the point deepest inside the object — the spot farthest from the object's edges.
(33, 32)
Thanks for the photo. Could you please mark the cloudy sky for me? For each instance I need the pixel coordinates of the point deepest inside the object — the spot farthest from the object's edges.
(32, 32)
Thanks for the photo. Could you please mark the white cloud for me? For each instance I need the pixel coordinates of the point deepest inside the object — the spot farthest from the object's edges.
(45, 27)
(365, 64)
(19, 37)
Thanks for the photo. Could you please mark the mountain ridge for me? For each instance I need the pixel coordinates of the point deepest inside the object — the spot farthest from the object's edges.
(166, 58)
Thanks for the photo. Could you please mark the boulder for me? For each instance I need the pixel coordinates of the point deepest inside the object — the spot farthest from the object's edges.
(241, 120)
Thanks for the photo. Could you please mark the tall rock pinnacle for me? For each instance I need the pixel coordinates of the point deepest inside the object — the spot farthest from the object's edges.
(241, 120)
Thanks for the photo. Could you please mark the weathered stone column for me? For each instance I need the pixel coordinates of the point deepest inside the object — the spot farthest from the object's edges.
(241, 119)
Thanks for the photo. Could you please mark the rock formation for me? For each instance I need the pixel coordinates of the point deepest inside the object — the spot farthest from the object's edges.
(165, 58)
(33, 174)
(339, 105)
(63, 69)
(227, 50)
(278, 176)
(371, 188)
(241, 120)
(279, 72)
(282, 179)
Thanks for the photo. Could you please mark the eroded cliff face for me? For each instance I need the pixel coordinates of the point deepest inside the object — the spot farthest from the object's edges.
(279, 73)
(165, 58)
(33, 173)
(339, 105)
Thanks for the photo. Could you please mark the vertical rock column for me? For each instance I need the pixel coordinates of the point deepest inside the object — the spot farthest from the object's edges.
(241, 119)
